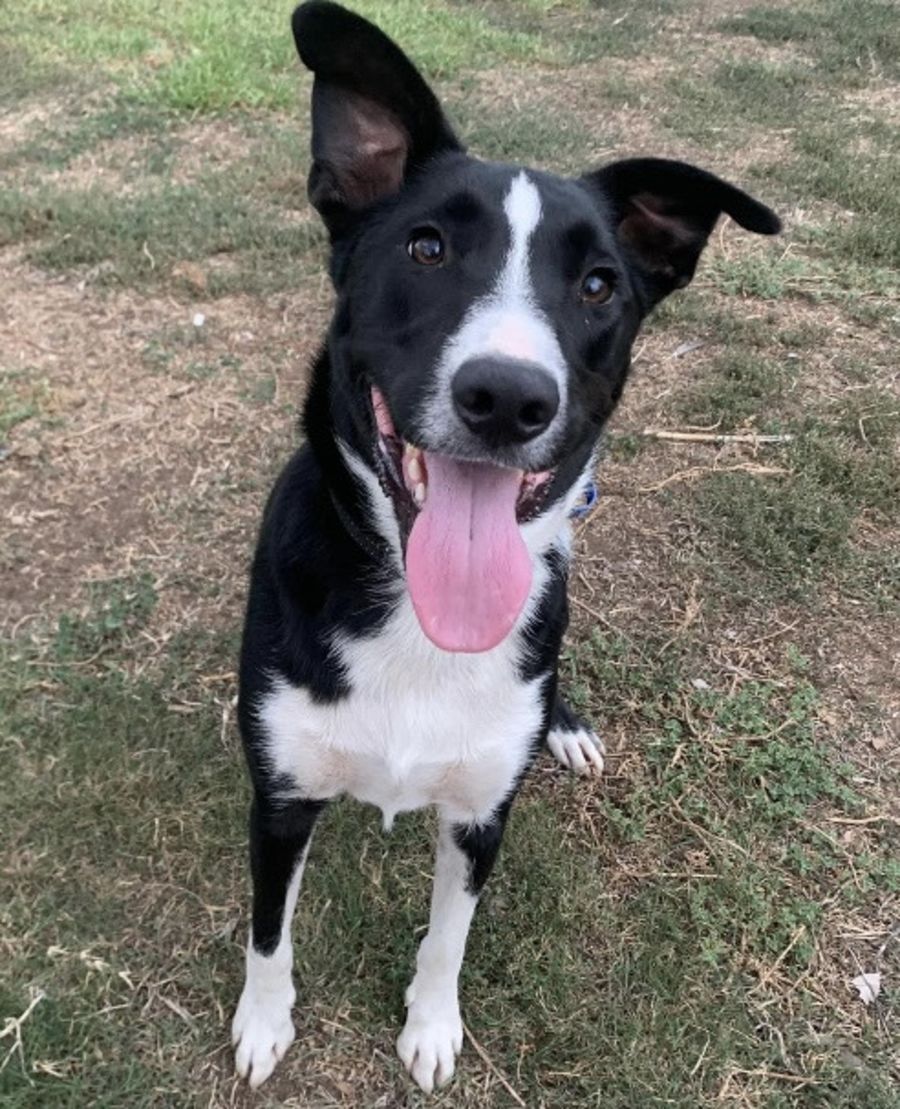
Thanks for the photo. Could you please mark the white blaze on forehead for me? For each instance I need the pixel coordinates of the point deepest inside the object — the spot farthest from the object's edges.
(523, 210)
(512, 330)
(507, 321)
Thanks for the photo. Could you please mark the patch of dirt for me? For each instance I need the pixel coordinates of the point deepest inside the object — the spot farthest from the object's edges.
(879, 101)
(209, 145)
(861, 667)
(720, 46)
(154, 442)
(114, 166)
(119, 165)
(18, 124)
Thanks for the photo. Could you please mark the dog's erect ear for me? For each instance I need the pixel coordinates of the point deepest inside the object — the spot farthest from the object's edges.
(374, 119)
(664, 212)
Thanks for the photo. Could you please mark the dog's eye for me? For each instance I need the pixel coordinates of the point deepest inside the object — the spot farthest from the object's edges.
(426, 246)
(598, 286)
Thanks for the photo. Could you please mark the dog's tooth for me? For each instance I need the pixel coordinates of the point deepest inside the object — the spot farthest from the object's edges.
(419, 494)
(409, 449)
(414, 469)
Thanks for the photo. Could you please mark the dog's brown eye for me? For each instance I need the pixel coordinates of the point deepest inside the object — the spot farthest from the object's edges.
(426, 247)
(598, 286)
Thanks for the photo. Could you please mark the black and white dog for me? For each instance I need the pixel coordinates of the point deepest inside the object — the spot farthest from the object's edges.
(408, 594)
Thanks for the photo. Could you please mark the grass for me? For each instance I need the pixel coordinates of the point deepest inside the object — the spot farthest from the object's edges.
(21, 394)
(796, 535)
(684, 932)
(136, 911)
(848, 39)
(867, 229)
(739, 387)
(136, 240)
(213, 56)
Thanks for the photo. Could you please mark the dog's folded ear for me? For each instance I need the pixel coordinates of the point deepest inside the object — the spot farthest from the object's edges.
(665, 211)
(374, 118)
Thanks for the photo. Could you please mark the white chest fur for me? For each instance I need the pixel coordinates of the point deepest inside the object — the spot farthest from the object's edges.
(420, 726)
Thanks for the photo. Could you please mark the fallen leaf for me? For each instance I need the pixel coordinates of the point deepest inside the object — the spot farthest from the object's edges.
(687, 348)
(868, 986)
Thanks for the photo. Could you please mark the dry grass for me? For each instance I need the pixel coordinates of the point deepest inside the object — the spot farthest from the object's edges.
(687, 932)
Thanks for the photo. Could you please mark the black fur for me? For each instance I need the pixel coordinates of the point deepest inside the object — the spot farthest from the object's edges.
(386, 163)
(278, 835)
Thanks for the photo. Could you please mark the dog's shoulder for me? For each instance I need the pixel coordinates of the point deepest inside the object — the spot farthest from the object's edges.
(309, 583)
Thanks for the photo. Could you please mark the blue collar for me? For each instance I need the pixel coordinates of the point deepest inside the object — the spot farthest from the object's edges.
(588, 502)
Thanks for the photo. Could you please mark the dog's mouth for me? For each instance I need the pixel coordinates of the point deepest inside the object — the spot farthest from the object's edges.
(467, 567)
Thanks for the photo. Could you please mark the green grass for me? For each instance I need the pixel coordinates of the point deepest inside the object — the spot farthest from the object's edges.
(795, 534)
(21, 395)
(849, 39)
(134, 240)
(755, 93)
(682, 933)
(209, 56)
(55, 144)
(525, 136)
(125, 892)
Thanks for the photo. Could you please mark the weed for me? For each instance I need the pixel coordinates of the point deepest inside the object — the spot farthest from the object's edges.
(22, 394)
(683, 932)
(738, 387)
(117, 610)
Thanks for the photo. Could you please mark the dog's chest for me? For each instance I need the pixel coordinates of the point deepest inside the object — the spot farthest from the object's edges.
(420, 726)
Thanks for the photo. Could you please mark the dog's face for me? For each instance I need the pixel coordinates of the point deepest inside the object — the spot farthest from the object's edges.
(485, 315)
(492, 309)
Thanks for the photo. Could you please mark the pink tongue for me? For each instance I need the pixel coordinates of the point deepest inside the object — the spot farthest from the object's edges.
(467, 567)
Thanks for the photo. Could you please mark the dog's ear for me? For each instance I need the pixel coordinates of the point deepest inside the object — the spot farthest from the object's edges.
(374, 118)
(664, 212)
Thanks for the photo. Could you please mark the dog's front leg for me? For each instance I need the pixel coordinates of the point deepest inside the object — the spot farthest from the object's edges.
(262, 1030)
(432, 1036)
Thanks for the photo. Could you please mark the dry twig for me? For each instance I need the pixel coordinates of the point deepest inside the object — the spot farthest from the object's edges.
(486, 1059)
(749, 437)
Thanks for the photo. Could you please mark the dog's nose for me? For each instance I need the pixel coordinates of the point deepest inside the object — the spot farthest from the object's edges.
(504, 400)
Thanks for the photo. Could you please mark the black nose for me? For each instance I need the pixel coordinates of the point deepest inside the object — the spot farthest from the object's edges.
(504, 401)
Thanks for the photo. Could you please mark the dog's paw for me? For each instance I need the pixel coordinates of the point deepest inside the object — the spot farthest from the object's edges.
(580, 749)
(430, 1042)
(261, 1033)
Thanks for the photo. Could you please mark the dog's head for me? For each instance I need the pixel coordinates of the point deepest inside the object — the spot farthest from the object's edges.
(485, 316)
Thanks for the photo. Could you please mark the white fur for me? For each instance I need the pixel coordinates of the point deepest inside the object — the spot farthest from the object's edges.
(507, 321)
(382, 511)
(581, 750)
(432, 1036)
(419, 727)
(262, 1030)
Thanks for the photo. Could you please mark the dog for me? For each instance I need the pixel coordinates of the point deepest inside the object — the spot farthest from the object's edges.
(407, 597)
